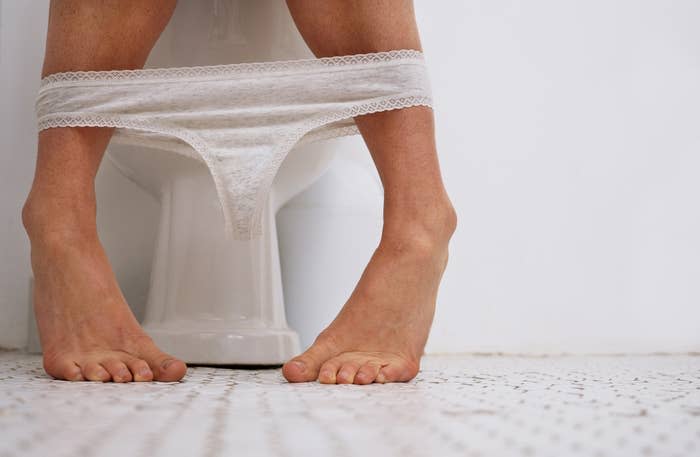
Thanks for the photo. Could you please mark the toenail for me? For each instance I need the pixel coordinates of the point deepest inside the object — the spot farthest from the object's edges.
(167, 363)
(300, 365)
(381, 378)
(76, 377)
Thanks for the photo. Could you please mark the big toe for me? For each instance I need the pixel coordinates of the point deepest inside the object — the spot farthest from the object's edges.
(305, 367)
(171, 370)
(398, 370)
(165, 368)
(296, 370)
(63, 368)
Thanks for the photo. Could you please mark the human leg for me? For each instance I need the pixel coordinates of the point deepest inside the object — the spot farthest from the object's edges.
(86, 328)
(380, 333)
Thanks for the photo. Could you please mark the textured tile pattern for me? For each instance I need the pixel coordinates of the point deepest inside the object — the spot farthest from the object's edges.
(459, 405)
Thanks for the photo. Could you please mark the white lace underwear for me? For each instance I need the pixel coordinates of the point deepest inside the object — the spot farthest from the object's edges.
(240, 119)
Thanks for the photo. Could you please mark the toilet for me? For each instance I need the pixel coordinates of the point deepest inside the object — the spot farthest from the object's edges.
(213, 300)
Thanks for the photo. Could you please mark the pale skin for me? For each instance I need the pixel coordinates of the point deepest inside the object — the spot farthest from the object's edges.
(86, 328)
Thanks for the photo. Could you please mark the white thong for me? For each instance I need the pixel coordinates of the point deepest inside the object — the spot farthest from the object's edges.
(240, 119)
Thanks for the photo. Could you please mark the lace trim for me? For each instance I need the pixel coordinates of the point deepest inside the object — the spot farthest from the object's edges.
(230, 69)
(251, 228)
(328, 134)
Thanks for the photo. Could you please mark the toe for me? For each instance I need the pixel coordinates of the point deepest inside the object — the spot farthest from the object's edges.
(329, 371)
(165, 368)
(305, 368)
(93, 371)
(139, 370)
(347, 372)
(63, 369)
(367, 373)
(398, 372)
(117, 370)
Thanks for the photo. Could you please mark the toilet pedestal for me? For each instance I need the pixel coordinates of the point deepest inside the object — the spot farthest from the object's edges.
(212, 300)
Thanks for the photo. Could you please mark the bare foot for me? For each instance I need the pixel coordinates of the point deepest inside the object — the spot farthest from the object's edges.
(380, 333)
(87, 330)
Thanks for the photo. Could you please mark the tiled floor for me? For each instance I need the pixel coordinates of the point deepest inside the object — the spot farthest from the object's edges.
(459, 405)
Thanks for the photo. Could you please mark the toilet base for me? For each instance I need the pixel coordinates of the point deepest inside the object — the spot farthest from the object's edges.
(226, 346)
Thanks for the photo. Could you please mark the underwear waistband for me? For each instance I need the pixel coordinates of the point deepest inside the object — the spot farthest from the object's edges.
(234, 70)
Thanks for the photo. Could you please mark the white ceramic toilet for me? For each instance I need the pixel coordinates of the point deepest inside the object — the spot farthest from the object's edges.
(214, 300)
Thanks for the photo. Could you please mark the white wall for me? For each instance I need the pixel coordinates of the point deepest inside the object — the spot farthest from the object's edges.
(20, 66)
(569, 135)
(569, 141)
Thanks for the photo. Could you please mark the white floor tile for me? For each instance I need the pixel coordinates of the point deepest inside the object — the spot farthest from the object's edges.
(458, 405)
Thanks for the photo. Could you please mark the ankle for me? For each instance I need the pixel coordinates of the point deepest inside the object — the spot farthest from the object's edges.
(47, 219)
(431, 228)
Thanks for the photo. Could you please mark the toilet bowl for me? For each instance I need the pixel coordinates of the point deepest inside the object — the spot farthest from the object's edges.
(214, 300)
